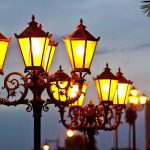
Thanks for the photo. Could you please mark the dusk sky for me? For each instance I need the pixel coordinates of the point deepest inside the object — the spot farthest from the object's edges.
(125, 43)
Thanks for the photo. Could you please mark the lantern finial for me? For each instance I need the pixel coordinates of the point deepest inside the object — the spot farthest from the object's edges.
(33, 17)
(81, 21)
(40, 26)
(90, 103)
(81, 26)
(106, 65)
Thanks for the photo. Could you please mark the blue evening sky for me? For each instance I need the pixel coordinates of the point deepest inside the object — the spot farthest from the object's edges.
(124, 43)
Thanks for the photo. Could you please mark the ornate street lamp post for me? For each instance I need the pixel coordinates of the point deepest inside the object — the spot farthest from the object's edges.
(37, 50)
(113, 94)
(136, 103)
(64, 91)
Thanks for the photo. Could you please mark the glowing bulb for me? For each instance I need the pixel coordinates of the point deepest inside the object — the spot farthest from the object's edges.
(106, 87)
(74, 91)
(36, 46)
(80, 50)
(70, 133)
(46, 147)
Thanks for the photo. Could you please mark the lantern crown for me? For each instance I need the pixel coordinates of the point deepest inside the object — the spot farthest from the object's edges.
(106, 74)
(82, 33)
(121, 78)
(3, 38)
(59, 75)
(33, 30)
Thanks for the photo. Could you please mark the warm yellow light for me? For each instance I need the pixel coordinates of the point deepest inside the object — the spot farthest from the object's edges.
(49, 57)
(73, 91)
(142, 99)
(133, 100)
(81, 46)
(69, 51)
(80, 52)
(34, 51)
(121, 95)
(70, 133)
(134, 92)
(59, 93)
(3, 50)
(78, 48)
(46, 147)
(90, 48)
(107, 89)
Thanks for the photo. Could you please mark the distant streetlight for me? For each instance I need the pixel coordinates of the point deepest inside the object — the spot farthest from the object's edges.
(113, 95)
(46, 145)
(136, 103)
(70, 133)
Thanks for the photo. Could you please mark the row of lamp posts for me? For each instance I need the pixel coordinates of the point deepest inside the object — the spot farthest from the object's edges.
(64, 91)
(136, 102)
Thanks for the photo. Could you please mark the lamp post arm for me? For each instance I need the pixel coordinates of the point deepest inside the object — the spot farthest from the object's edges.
(73, 118)
(15, 86)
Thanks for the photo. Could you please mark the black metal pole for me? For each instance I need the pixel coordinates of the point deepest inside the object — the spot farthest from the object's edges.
(116, 139)
(134, 136)
(116, 134)
(37, 113)
(91, 139)
(129, 142)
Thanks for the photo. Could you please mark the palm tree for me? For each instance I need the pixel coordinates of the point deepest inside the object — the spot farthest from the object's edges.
(146, 7)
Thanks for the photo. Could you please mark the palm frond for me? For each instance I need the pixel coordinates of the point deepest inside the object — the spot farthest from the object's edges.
(146, 7)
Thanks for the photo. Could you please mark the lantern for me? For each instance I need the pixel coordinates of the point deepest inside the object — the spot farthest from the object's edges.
(81, 46)
(142, 99)
(133, 97)
(134, 91)
(49, 55)
(106, 85)
(74, 89)
(3, 50)
(46, 146)
(33, 42)
(59, 85)
(121, 96)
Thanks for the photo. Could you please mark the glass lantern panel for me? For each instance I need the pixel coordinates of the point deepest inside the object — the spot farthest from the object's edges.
(108, 89)
(59, 93)
(134, 92)
(142, 99)
(113, 88)
(105, 88)
(69, 51)
(98, 88)
(38, 47)
(133, 100)
(73, 93)
(121, 94)
(3, 50)
(78, 47)
(90, 48)
(25, 49)
(50, 57)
